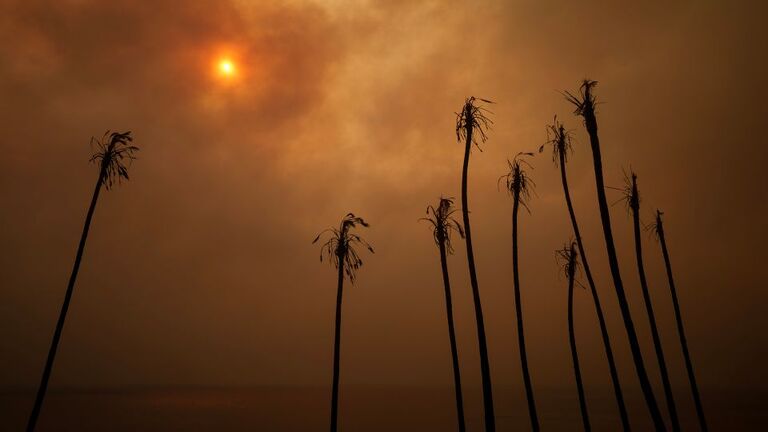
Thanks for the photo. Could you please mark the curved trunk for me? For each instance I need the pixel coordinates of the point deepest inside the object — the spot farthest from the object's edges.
(575, 355)
(64, 307)
(519, 311)
(452, 337)
(598, 309)
(681, 333)
(336, 351)
(613, 261)
(652, 319)
(485, 368)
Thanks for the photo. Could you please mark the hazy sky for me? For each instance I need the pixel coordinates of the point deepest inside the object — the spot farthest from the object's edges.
(200, 271)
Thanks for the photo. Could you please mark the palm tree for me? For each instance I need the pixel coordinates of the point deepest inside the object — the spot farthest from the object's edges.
(585, 107)
(632, 199)
(340, 250)
(519, 185)
(114, 152)
(473, 120)
(569, 260)
(443, 224)
(560, 140)
(658, 228)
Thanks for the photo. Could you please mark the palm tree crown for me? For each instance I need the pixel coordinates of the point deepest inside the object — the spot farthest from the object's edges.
(114, 151)
(517, 181)
(340, 247)
(443, 222)
(473, 117)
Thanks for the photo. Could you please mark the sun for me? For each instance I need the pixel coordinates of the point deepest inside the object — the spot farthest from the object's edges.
(226, 68)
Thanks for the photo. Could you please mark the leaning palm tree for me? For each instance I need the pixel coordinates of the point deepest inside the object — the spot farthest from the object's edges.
(585, 107)
(519, 185)
(443, 223)
(632, 199)
(658, 229)
(473, 122)
(114, 155)
(340, 250)
(560, 140)
(568, 258)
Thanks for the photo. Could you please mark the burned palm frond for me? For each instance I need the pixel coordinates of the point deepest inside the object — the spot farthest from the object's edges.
(568, 259)
(473, 120)
(630, 195)
(443, 222)
(560, 140)
(517, 182)
(656, 227)
(585, 101)
(340, 248)
(114, 151)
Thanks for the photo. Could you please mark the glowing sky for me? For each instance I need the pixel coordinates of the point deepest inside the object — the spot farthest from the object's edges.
(200, 270)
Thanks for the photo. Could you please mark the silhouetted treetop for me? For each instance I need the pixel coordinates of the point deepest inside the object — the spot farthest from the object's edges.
(517, 181)
(585, 102)
(114, 151)
(443, 222)
(560, 140)
(340, 247)
(473, 118)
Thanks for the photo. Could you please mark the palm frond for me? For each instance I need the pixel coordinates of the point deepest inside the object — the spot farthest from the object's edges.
(341, 246)
(585, 101)
(443, 222)
(560, 140)
(517, 182)
(114, 155)
(473, 117)
(568, 259)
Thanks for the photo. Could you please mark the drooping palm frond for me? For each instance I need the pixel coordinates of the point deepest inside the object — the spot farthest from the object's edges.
(517, 181)
(585, 101)
(473, 117)
(560, 140)
(340, 248)
(568, 259)
(443, 222)
(114, 151)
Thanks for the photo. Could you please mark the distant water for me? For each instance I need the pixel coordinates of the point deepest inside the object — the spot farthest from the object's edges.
(365, 409)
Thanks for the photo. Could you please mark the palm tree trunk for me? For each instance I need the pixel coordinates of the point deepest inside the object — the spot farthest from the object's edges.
(519, 310)
(681, 333)
(485, 368)
(652, 319)
(613, 261)
(452, 336)
(575, 355)
(598, 309)
(64, 307)
(336, 351)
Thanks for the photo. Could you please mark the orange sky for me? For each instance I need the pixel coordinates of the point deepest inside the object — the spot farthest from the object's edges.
(200, 270)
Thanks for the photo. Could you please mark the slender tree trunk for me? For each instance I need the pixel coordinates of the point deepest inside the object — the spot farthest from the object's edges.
(485, 368)
(598, 309)
(613, 261)
(64, 307)
(519, 311)
(652, 319)
(452, 336)
(681, 333)
(575, 355)
(336, 351)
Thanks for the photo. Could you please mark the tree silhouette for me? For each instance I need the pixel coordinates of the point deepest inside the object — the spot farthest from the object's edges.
(341, 253)
(473, 120)
(114, 155)
(519, 185)
(585, 107)
(632, 200)
(658, 229)
(443, 223)
(568, 258)
(560, 140)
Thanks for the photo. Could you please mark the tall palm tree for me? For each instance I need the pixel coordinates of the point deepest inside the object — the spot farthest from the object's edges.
(114, 155)
(569, 260)
(658, 228)
(473, 122)
(340, 250)
(560, 140)
(519, 185)
(585, 107)
(632, 199)
(443, 223)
